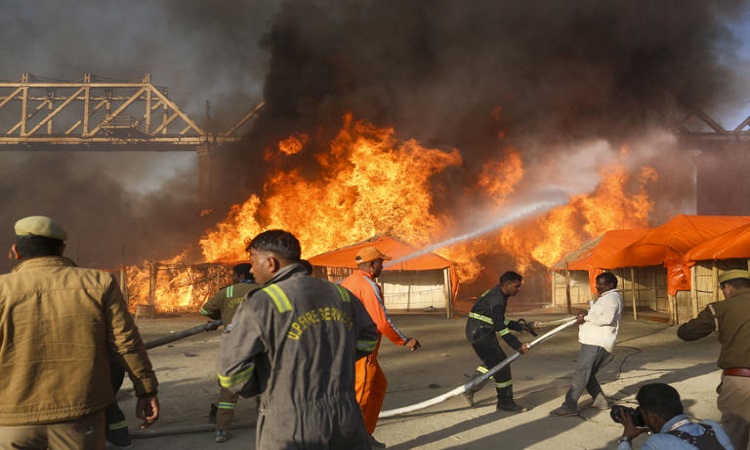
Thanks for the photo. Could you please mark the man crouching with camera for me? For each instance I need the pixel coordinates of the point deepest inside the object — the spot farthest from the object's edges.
(660, 413)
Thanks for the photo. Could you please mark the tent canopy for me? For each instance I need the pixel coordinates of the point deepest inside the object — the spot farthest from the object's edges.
(674, 239)
(735, 243)
(396, 249)
(599, 252)
(667, 245)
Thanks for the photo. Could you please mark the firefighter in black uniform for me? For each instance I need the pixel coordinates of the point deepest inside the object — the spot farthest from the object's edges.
(486, 319)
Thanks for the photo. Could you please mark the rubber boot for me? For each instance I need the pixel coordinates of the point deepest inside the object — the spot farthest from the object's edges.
(469, 394)
(505, 400)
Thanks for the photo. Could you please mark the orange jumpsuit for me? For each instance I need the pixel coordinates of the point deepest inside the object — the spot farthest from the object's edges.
(370, 383)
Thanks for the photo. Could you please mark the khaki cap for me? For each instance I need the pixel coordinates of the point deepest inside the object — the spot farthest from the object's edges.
(367, 254)
(41, 226)
(733, 275)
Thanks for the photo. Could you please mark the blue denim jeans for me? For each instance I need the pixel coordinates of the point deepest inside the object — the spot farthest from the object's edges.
(590, 359)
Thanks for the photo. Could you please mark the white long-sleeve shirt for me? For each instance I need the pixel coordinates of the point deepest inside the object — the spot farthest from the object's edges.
(603, 321)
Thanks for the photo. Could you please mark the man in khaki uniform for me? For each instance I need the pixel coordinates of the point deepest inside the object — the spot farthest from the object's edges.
(57, 323)
(731, 319)
(222, 306)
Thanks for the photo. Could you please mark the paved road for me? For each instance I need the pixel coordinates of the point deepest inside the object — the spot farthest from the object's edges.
(646, 351)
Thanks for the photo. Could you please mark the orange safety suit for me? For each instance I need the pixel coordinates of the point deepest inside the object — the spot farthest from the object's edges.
(370, 382)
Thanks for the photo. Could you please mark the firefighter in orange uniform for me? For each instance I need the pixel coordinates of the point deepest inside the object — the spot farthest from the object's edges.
(371, 384)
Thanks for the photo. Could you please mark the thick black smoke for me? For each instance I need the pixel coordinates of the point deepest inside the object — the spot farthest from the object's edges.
(548, 75)
(553, 77)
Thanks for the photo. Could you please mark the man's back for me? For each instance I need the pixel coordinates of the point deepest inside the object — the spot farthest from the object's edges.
(693, 434)
(53, 322)
(297, 338)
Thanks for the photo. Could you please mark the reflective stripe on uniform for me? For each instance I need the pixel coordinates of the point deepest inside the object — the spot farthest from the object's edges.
(205, 312)
(503, 332)
(482, 369)
(227, 405)
(239, 377)
(486, 319)
(504, 384)
(343, 293)
(118, 425)
(366, 345)
(279, 298)
(230, 291)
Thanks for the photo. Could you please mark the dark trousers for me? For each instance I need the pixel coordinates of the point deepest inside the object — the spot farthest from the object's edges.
(488, 349)
(117, 425)
(590, 360)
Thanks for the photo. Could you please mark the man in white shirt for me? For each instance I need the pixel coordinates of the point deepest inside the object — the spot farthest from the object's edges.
(597, 334)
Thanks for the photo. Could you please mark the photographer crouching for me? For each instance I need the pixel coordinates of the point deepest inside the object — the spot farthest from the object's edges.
(660, 413)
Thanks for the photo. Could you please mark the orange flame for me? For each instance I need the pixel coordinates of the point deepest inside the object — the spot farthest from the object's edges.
(370, 183)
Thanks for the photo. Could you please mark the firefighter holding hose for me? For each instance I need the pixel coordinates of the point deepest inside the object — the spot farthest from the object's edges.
(222, 306)
(487, 322)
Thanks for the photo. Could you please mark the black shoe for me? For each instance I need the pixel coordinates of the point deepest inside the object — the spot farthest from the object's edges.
(468, 397)
(374, 443)
(119, 438)
(509, 405)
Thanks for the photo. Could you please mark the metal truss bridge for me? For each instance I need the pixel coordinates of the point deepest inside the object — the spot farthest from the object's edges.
(97, 114)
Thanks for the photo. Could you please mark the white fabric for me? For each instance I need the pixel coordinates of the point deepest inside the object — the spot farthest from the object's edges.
(603, 321)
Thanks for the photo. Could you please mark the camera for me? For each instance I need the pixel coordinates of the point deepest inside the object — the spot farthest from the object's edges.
(634, 414)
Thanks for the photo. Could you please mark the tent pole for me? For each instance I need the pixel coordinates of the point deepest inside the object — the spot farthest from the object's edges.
(694, 291)
(672, 309)
(448, 289)
(715, 281)
(567, 290)
(632, 290)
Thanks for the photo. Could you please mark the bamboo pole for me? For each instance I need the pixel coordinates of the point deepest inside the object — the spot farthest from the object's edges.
(633, 292)
(568, 302)
(694, 291)
(672, 309)
(715, 282)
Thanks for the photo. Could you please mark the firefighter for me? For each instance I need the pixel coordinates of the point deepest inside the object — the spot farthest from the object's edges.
(58, 323)
(485, 323)
(295, 341)
(371, 382)
(222, 306)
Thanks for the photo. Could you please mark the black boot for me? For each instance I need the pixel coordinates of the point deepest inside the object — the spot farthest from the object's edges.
(505, 400)
(469, 394)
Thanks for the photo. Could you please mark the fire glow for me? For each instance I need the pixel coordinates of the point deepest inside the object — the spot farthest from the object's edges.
(368, 183)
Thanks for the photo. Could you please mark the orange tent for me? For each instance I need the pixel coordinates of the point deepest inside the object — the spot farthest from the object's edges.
(405, 258)
(666, 245)
(733, 244)
(599, 253)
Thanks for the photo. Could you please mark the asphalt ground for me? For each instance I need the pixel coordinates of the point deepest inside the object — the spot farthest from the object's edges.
(646, 351)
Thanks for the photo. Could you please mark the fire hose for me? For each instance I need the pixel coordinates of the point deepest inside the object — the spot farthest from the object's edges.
(209, 326)
(567, 322)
